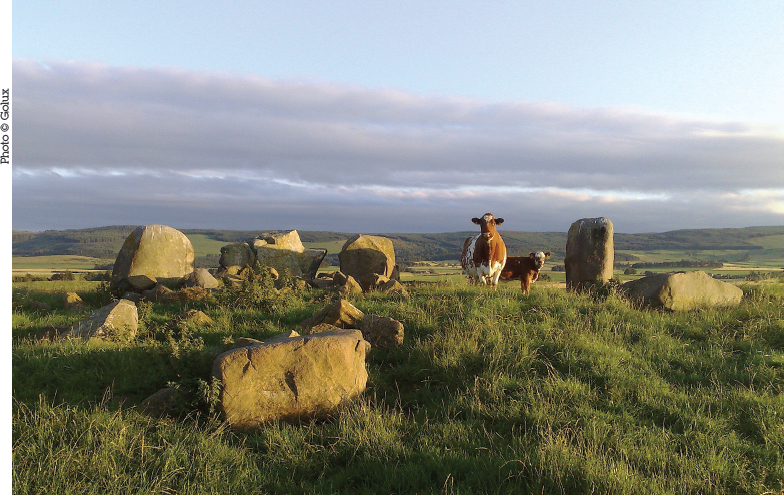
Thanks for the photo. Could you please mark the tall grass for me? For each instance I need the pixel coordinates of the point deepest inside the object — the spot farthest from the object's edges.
(492, 392)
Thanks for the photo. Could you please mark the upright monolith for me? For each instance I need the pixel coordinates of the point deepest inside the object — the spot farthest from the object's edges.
(589, 253)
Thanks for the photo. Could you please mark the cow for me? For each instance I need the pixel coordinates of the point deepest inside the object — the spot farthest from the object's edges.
(524, 268)
(484, 255)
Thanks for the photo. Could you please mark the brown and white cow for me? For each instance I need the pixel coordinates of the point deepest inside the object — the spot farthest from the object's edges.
(524, 268)
(484, 255)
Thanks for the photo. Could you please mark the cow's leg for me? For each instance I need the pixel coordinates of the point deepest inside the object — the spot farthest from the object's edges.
(525, 284)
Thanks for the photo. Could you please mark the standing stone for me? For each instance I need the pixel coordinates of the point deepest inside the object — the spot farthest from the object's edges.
(292, 379)
(682, 291)
(589, 253)
(152, 253)
(117, 321)
(364, 254)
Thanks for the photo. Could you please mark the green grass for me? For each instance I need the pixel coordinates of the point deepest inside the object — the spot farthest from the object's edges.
(58, 262)
(492, 392)
(204, 245)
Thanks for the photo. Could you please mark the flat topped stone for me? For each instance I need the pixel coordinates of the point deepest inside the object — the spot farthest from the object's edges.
(291, 379)
(683, 291)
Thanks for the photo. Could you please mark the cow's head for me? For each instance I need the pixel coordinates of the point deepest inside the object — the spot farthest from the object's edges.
(487, 225)
(539, 258)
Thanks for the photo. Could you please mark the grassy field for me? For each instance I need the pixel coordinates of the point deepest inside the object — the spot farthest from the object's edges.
(492, 392)
(57, 262)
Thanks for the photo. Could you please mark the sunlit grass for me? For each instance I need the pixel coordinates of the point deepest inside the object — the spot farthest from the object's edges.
(492, 392)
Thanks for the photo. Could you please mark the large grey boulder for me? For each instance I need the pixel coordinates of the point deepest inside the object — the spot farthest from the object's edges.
(283, 250)
(682, 291)
(152, 254)
(117, 321)
(364, 254)
(292, 379)
(590, 253)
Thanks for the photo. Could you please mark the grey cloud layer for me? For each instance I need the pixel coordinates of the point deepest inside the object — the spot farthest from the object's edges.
(205, 147)
(92, 116)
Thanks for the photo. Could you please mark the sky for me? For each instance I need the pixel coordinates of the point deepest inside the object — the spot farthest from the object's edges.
(397, 116)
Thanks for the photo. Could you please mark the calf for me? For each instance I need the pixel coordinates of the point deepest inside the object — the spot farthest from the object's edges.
(484, 255)
(525, 268)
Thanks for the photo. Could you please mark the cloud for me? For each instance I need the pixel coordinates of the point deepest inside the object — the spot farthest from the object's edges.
(109, 143)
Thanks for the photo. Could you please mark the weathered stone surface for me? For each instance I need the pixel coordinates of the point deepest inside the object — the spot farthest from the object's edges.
(590, 253)
(134, 297)
(393, 287)
(351, 286)
(281, 240)
(364, 254)
(293, 379)
(235, 257)
(73, 302)
(201, 277)
(371, 281)
(117, 321)
(340, 314)
(339, 278)
(141, 282)
(283, 250)
(159, 252)
(682, 291)
(160, 404)
(382, 332)
(156, 293)
(322, 282)
(324, 328)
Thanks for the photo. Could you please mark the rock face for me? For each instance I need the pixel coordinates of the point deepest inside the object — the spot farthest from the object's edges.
(201, 277)
(340, 314)
(291, 379)
(364, 254)
(284, 250)
(382, 332)
(590, 253)
(682, 291)
(152, 253)
(235, 257)
(117, 321)
(281, 250)
(73, 302)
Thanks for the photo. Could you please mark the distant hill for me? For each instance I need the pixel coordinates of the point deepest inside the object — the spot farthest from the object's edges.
(105, 242)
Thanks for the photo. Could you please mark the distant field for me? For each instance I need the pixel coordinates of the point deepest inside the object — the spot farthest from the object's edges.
(57, 262)
(332, 247)
(204, 245)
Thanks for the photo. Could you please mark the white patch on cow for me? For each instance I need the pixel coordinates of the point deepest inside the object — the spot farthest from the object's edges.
(496, 271)
(468, 260)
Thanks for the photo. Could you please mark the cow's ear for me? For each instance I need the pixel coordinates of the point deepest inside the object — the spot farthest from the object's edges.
(475, 220)
(499, 221)
(531, 255)
(547, 255)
